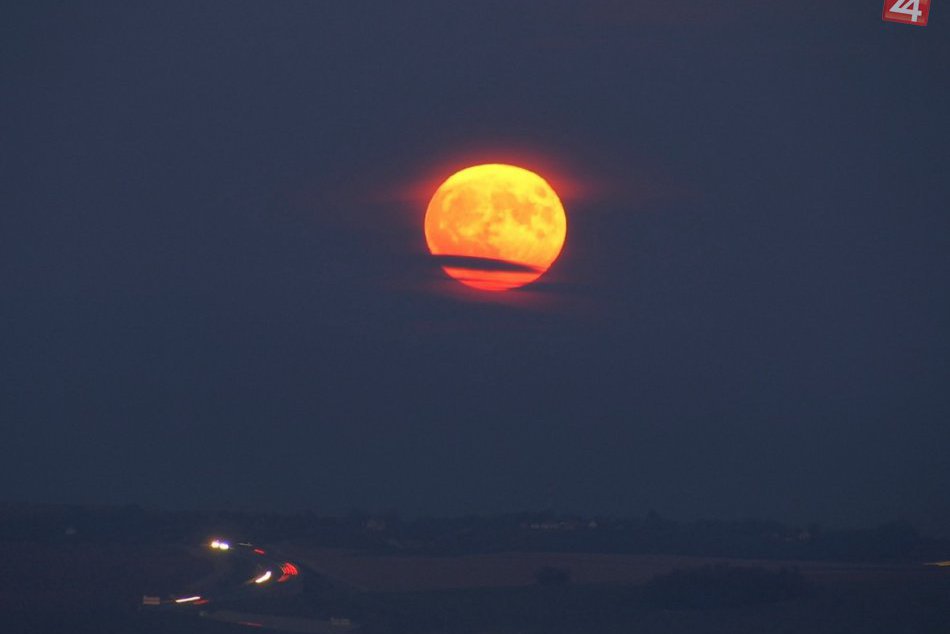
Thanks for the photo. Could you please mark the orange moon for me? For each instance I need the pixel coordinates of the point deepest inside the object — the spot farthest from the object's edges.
(495, 227)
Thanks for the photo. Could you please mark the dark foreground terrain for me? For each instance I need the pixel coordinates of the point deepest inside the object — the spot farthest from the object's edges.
(72, 571)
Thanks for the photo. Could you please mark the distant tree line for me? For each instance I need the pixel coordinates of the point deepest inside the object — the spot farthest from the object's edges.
(522, 532)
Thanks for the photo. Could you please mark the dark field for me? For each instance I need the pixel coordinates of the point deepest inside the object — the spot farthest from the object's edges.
(98, 588)
(399, 579)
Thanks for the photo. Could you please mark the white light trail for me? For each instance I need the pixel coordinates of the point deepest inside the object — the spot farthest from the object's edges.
(188, 599)
(264, 577)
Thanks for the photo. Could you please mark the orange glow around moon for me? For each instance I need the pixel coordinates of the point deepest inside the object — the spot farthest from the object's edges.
(504, 222)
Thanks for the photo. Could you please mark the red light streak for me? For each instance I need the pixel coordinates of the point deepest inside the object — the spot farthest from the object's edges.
(289, 571)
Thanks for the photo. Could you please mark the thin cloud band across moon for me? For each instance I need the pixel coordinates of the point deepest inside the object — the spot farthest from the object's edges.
(495, 227)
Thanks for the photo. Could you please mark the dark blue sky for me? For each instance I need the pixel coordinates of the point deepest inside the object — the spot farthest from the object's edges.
(216, 291)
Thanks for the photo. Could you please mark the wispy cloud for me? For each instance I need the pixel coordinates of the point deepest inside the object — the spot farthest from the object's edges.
(483, 264)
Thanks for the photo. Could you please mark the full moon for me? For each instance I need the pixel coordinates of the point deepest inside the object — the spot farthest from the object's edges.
(496, 226)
